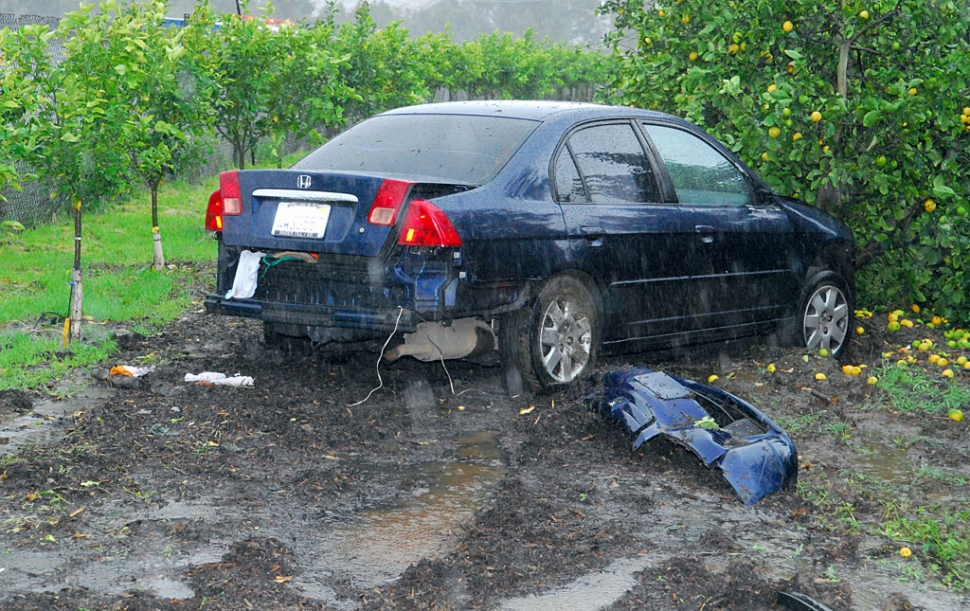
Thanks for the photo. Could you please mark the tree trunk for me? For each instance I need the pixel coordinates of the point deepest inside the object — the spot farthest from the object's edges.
(158, 263)
(77, 298)
(77, 294)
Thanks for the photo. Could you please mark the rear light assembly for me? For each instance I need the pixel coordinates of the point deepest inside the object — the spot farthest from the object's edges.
(226, 201)
(426, 225)
(388, 201)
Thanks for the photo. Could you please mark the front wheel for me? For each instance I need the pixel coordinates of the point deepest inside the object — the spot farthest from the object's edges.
(555, 342)
(825, 314)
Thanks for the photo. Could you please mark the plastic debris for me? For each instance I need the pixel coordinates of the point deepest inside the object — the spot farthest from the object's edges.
(724, 431)
(129, 370)
(218, 379)
(244, 284)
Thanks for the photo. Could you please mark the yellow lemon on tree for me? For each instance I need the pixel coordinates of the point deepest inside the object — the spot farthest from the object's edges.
(912, 91)
(816, 116)
(863, 14)
(796, 136)
(929, 205)
(733, 49)
(966, 110)
(772, 87)
(693, 56)
(774, 132)
(788, 26)
(765, 157)
(685, 19)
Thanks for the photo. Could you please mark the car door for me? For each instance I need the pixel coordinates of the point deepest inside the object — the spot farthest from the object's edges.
(742, 239)
(622, 231)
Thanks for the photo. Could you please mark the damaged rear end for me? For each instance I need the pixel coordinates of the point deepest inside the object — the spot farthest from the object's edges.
(331, 256)
(724, 431)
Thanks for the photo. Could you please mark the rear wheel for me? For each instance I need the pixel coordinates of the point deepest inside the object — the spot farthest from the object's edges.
(825, 314)
(555, 342)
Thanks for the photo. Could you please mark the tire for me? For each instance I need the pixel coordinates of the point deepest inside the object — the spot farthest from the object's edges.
(554, 342)
(825, 313)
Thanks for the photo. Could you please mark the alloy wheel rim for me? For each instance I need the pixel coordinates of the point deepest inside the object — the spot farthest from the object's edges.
(826, 319)
(565, 340)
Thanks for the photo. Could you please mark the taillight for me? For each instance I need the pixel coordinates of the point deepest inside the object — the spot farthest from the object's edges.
(213, 213)
(224, 202)
(426, 225)
(387, 202)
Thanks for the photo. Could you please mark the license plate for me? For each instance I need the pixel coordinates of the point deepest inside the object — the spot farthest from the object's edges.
(301, 220)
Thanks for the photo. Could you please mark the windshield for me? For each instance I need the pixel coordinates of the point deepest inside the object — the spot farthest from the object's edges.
(454, 148)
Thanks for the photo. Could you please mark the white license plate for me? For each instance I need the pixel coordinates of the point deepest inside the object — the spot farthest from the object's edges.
(301, 220)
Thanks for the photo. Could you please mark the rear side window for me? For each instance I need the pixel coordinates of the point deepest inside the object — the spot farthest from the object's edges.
(454, 148)
(702, 176)
(611, 163)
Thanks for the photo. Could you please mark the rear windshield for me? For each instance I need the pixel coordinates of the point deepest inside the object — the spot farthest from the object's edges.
(454, 148)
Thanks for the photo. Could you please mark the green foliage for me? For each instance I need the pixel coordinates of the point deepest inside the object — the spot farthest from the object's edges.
(889, 80)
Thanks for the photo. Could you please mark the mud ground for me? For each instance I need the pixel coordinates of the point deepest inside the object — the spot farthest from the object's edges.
(332, 484)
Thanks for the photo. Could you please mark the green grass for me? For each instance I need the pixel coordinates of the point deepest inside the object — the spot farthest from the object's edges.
(912, 389)
(120, 285)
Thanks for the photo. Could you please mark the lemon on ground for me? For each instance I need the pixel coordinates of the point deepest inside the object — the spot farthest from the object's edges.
(905, 552)
(955, 415)
(860, 330)
(948, 373)
(872, 381)
(821, 376)
(712, 378)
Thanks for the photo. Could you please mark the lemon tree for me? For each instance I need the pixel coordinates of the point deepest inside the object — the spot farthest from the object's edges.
(860, 107)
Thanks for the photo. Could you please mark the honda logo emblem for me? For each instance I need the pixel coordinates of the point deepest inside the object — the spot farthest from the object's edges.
(303, 181)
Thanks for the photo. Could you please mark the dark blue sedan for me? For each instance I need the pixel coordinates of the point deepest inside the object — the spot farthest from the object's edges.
(546, 231)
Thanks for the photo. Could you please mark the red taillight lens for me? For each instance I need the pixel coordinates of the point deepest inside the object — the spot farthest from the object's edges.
(224, 202)
(426, 225)
(387, 202)
(213, 213)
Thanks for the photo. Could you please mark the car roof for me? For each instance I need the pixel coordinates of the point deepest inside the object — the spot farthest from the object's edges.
(536, 110)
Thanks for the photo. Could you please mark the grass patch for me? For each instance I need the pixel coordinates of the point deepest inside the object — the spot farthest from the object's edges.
(28, 360)
(120, 285)
(912, 389)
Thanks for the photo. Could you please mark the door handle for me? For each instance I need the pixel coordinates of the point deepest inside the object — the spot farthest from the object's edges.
(705, 232)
